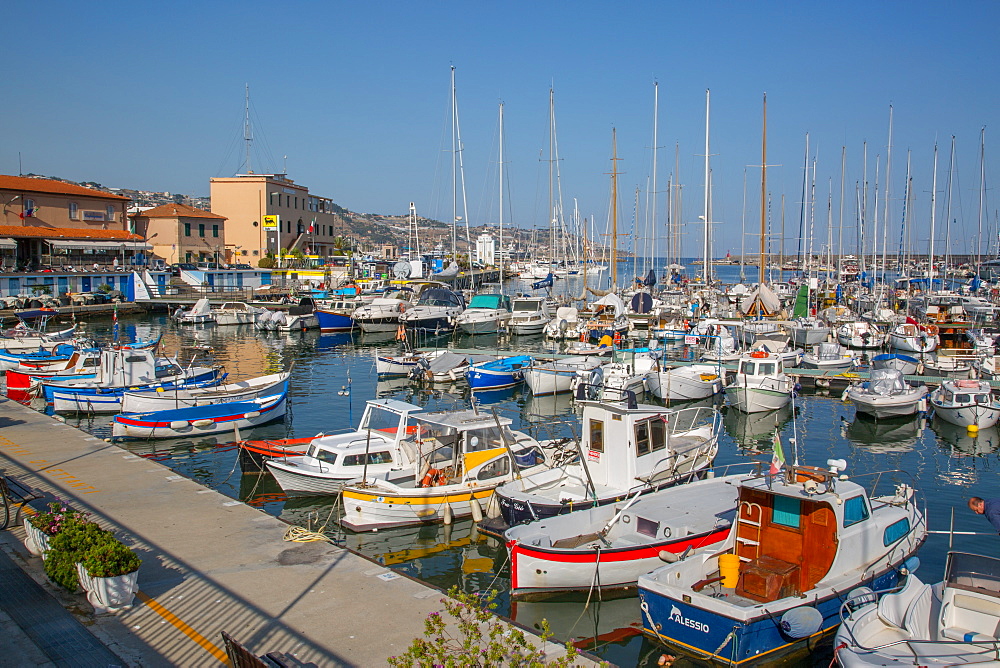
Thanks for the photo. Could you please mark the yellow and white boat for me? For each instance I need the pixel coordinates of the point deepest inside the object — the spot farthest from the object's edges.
(461, 457)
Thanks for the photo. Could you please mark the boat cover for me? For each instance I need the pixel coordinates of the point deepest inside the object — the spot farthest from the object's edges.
(886, 382)
(828, 351)
(445, 362)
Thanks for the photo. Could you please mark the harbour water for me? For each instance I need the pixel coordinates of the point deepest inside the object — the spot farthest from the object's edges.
(334, 374)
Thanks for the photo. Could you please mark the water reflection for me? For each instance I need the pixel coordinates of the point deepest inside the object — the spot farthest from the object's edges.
(958, 442)
(885, 435)
(755, 430)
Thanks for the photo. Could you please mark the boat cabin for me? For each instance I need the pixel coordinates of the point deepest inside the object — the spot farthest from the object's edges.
(761, 363)
(384, 426)
(527, 305)
(965, 392)
(468, 446)
(490, 302)
(626, 443)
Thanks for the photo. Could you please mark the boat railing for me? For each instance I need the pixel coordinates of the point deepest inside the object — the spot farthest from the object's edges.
(878, 484)
(687, 419)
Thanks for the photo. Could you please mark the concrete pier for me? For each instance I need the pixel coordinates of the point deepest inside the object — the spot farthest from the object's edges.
(210, 563)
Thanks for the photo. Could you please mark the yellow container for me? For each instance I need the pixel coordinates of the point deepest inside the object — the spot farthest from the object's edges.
(729, 569)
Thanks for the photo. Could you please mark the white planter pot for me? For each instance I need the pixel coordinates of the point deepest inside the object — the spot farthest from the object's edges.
(35, 540)
(109, 594)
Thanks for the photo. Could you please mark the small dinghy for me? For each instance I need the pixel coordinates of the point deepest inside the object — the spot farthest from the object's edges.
(803, 537)
(906, 365)
(609, 547)
(198, 314)
(445, 366)
(200, 420)
(966, 403)
(913, 337)
(860, 334)
(887, 394)
(494, 374)
(829, 356)
(951, 623)
(555, 377)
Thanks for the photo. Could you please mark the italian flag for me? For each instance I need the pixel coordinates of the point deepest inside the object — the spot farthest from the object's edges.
(778, 460)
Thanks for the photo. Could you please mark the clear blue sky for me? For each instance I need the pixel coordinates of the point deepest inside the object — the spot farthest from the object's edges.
(150, 96)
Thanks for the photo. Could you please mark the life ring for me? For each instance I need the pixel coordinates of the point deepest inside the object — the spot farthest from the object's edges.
(431, 478)
(758, 354)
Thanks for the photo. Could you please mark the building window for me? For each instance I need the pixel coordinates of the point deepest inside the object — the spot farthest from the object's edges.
(296, 202)
(270, 199)
(111, 212)
(74, 211)
(29, 204)
(187, 229)
(201, 229)
(215, 231)
(187, 256)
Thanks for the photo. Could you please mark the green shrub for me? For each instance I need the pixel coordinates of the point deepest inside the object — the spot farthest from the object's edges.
(110, 558)
(68, 547)
(482, 639)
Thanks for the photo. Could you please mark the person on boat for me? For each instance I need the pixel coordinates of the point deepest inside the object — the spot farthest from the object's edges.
(989, 507)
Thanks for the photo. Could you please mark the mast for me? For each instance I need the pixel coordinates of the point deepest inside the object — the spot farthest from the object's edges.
(248, 133)
(461, 164)
(982, 197)
(656, 115)
(840, 234)
(930, 252)
(614, 209)
(802, 209)
(885, 204)
(947, 219)
(707, 266)
(500, 249)
(743, 229)
(763, 197)
(454, 170)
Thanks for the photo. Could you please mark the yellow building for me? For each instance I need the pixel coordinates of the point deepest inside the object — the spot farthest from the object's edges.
(181, 233)
(265, 212)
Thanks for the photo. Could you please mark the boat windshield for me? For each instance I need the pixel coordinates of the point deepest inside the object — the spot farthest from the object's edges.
(485, 439)
(485, 301)
(380, 419)
(973, 570)
(525, 305)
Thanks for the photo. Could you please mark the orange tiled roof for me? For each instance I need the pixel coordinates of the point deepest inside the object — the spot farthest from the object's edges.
(178, 211)
(49, 186)
(18, 232)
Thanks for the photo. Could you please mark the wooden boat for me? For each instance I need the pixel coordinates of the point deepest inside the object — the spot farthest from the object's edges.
(199, 420)
(495, 374)
(626, 448)
(802, 538)
(608, 547)
(951, 623)
(460, 457)
(329, 460)
(245, 390)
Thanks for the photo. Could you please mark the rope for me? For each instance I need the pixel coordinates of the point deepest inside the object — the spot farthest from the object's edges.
(297, 534)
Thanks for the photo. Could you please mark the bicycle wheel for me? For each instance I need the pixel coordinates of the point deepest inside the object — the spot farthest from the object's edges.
(4, 504)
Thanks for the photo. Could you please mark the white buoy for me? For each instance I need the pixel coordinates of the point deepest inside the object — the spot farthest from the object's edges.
(668, 556)
(477, 510)
(448, 514)
(493, 507)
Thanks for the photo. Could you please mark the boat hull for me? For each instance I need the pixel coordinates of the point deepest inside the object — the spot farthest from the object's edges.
(682, 385)
(757, 399)
(979, 415)
(152, 425)
(886, 407)
(809, 336)
(330, 321)
(913, 344)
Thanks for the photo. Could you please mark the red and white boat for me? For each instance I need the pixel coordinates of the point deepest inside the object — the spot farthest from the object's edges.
(608, 547)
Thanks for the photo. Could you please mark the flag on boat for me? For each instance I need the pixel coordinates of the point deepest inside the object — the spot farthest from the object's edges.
(778, 460)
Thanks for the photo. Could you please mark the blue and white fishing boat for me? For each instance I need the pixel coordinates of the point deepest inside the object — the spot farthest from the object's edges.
(802, 539)
(146, 401)
(199, 420)
(337, 316)
(504, 372)
(905, 364)
(11, 359)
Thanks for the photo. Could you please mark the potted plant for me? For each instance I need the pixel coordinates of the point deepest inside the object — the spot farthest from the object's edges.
(68, 547)
(41, 526)
(109, 573)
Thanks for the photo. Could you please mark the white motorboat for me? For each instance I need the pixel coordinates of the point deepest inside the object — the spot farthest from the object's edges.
(382, 313)
(761, 384)
(966, 403)
(434, 312)
(802, 538)
(379, 445)
(685, 383)
(951, 623)
(860, 334)
(487, 314)
(529, 315)
(887, 394)
(459, 458)
(565, 324)
(626, 448)
(829, 356)
(809, 331)
(198, 314)
(751, 331)
(555, 377)
(30, 332)
(914, 338)
(950, 366)
(905, 364)
(236, 313)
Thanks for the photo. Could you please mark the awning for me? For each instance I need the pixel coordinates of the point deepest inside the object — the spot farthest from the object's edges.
(8, 243)
(82, 244)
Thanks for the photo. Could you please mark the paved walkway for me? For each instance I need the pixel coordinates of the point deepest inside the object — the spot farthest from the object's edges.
(212, 564)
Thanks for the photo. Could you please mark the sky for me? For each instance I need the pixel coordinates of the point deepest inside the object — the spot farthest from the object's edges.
(353, 100)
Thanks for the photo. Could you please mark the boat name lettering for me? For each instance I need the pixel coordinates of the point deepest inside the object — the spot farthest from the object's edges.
(678, 618)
